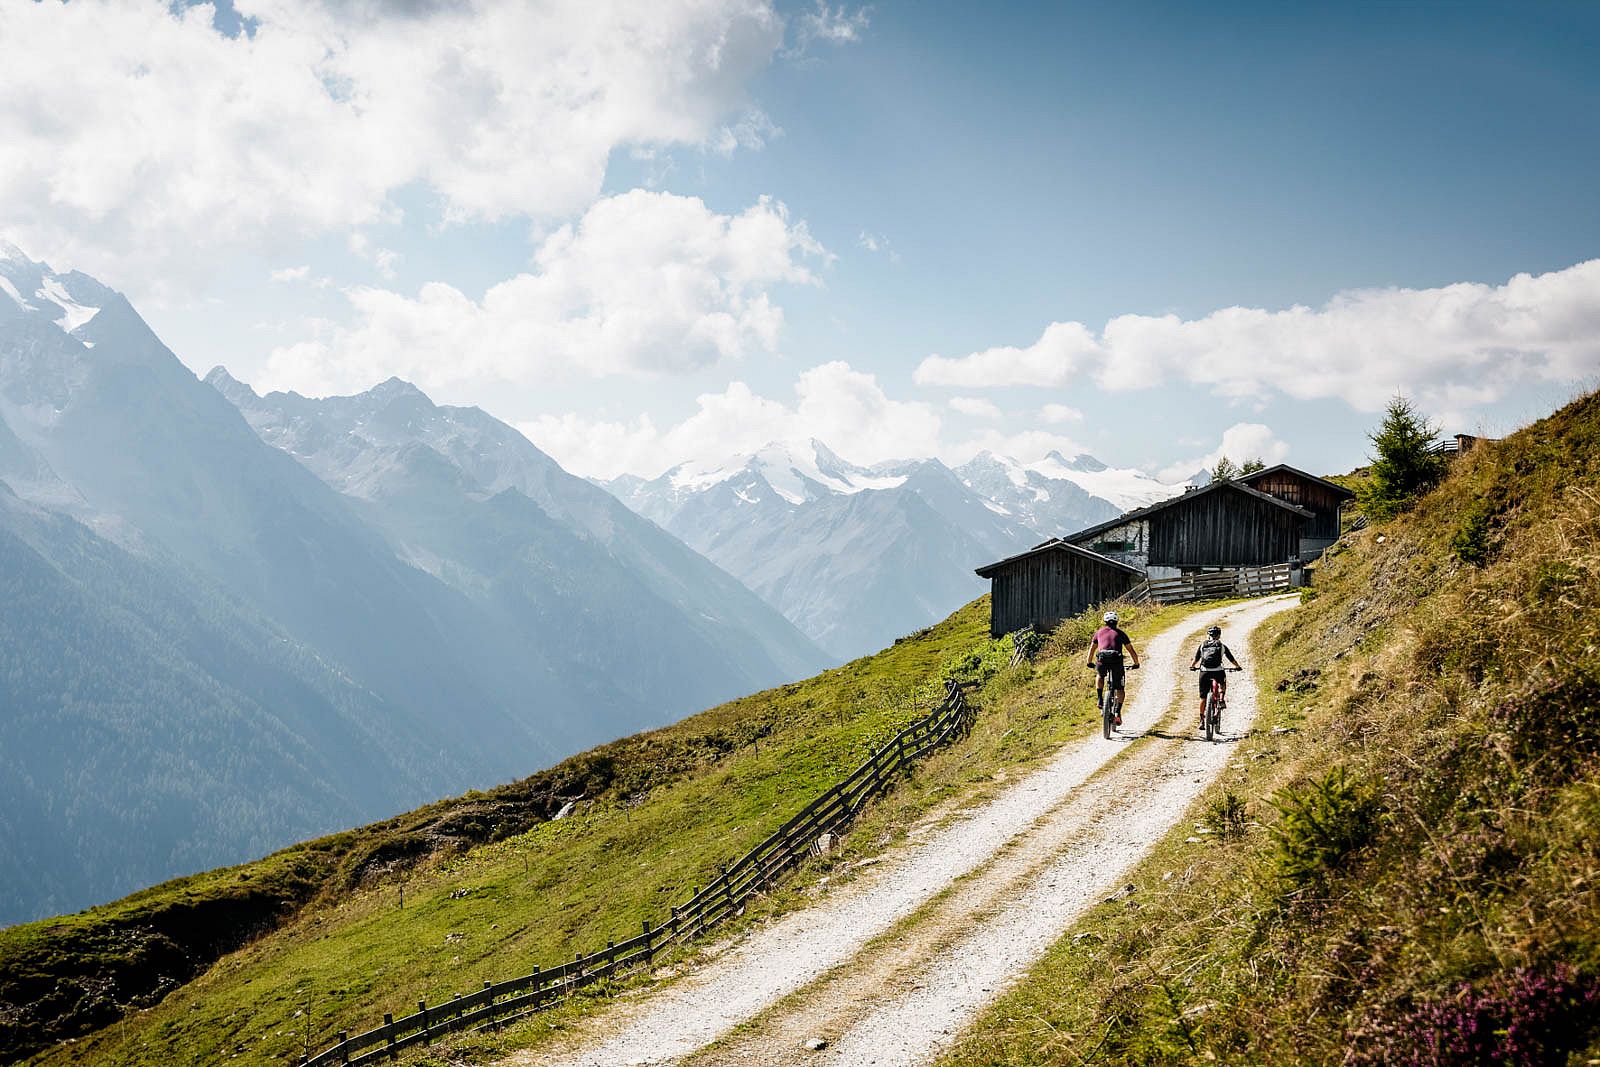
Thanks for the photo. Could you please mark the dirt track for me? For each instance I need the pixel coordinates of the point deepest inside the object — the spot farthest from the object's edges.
(935, 931)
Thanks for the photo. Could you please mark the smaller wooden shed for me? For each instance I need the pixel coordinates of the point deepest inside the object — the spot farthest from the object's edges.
(1050, 582)
(1324, 499)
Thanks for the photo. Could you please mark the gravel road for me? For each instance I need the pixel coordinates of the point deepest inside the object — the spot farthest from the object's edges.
(951, 919)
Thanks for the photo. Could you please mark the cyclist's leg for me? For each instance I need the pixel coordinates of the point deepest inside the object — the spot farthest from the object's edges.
(1099, 682)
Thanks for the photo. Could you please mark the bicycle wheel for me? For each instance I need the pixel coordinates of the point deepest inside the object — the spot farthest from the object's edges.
(1107, 713)
(1211, 716)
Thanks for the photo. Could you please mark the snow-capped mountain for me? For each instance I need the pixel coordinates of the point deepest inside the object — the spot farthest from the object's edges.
(473, 502)
(1057, 495)
(856, 556)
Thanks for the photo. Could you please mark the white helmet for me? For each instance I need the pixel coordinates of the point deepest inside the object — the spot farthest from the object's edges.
(1109, 617)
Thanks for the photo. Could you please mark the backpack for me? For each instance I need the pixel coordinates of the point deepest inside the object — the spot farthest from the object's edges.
(1211, 655)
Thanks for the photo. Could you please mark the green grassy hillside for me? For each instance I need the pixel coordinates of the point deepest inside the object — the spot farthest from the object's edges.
(487, 886)
(1411, 875)
(62, 977)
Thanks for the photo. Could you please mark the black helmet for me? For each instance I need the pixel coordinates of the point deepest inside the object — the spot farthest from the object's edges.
(1215, 631)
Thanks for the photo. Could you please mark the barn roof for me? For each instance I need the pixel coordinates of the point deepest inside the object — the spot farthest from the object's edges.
(1056, 544)
(1333, 487)
(1186, 498)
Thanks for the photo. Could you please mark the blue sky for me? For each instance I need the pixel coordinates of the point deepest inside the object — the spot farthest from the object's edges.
(913, 180)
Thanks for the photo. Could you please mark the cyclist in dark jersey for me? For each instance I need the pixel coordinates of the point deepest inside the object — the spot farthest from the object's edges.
(1105, 655)
(1208, 661)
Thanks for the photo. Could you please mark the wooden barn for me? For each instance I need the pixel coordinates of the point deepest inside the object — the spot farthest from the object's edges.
(1324, 499)
(1224, 524)
(1050, 582)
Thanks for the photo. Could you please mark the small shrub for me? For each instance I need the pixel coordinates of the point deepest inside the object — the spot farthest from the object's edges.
(1554, 580)
(1028, 642)
(1322, 821)
(1471, 542)
(1227, 816)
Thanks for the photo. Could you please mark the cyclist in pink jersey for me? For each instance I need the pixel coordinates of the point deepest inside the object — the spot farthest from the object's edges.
(1105, 656)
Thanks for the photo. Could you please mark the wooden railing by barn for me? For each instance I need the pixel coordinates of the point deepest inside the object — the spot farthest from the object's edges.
(499, 1003)
(1209, 585)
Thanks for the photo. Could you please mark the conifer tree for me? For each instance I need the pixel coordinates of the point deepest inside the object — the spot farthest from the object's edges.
(1224, 471)
(1252, 465)
(1404, 465)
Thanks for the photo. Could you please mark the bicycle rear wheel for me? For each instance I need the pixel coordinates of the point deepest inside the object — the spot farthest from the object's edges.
(1107, 713)
(1211, 715)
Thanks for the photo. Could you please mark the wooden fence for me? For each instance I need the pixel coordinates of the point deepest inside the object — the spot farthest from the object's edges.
(499, 1003)
(1209, 585)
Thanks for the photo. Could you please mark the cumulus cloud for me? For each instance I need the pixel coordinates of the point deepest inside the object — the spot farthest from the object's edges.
(1240, 442)
(170, 138)
(292, 274)
(834, 403)
(1459, 344)
(643, 283)
(976, 406)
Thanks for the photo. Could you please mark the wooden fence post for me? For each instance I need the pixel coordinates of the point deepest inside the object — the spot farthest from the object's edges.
(344, 1049)
(388, 1029)
(488, 988)
(422, 1010)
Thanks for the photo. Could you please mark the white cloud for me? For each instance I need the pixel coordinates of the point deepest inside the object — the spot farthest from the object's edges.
(1055, 359)
(314, 119)
(876, 243)
(829, 25)
(1055, 414)
(975, 406)
(1447, 347)
(833, 403)
(383, 259)
(1240, 442)
(644, 282)
(292, 274)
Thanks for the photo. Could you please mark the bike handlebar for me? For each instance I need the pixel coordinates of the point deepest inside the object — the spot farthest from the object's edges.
(1192, 667)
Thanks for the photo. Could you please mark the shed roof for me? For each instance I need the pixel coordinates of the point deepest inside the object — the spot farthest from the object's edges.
(1056, 544)
(1185, 498)
(1333, 487)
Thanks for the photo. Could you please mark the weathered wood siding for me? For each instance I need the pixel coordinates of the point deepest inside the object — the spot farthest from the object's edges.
(1319, 499)
(1226, 528)
(1042, 590)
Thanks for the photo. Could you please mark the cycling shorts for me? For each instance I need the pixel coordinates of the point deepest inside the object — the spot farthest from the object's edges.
(1206, 678)
(1108, 664)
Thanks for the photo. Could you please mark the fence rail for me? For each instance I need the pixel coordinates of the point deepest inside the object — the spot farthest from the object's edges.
(499, 1003)
(1206, 585)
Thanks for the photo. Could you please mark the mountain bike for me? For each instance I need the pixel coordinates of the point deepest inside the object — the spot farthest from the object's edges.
(1211, 717)
(1111, 709)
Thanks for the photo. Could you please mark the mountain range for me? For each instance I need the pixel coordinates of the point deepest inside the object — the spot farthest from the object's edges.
(856, 556)
(235, 621)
